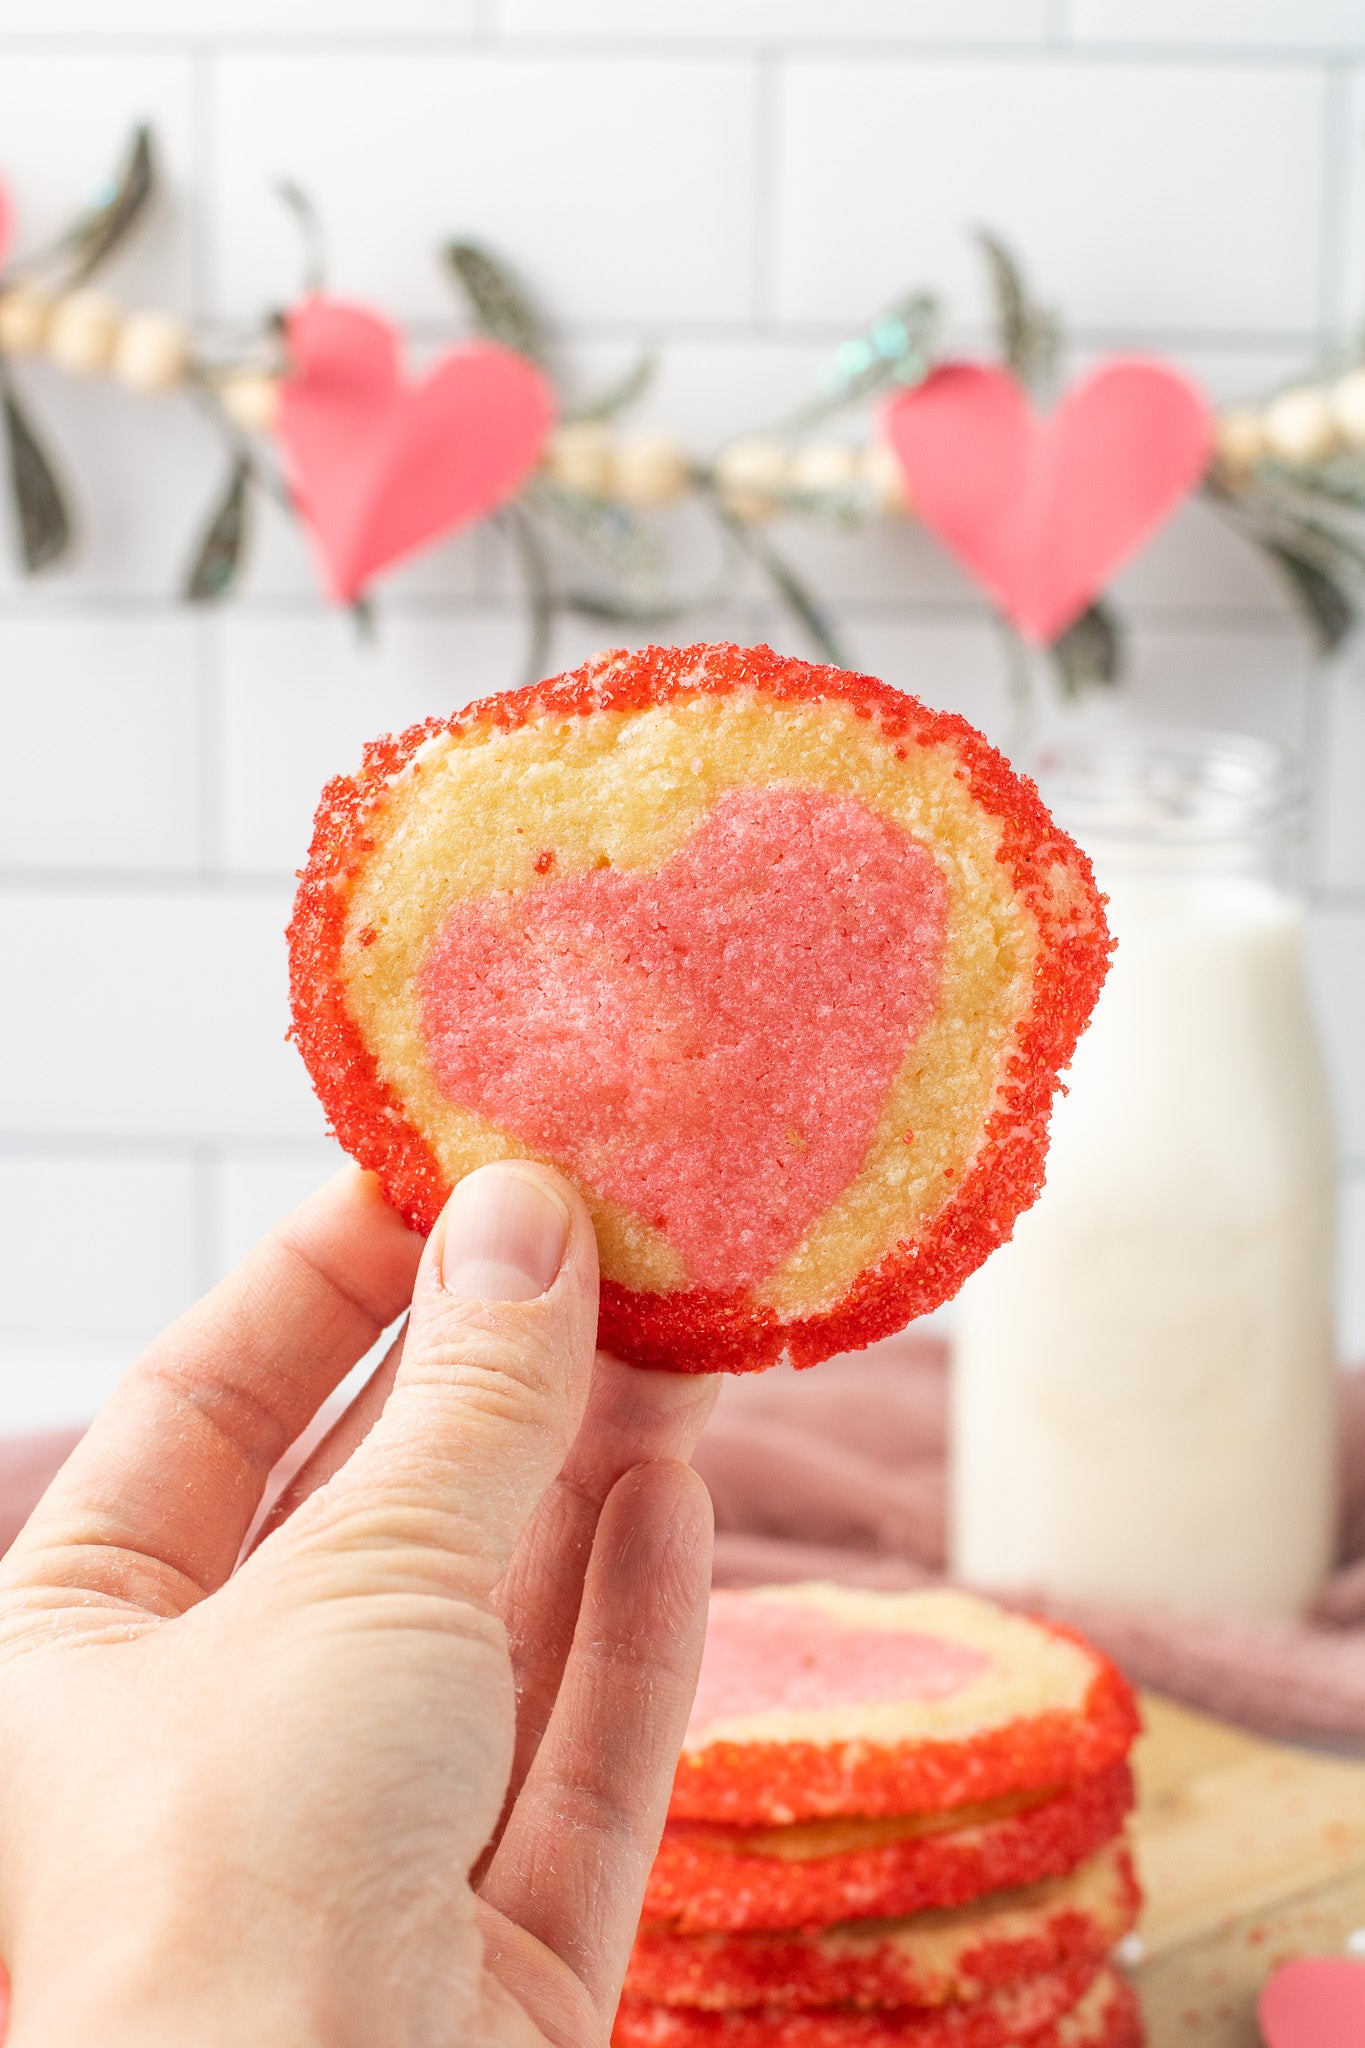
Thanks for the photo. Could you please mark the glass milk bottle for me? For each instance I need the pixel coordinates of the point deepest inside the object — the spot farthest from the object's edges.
(1143, 1398)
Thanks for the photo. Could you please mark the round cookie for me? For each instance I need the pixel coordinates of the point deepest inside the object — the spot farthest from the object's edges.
(1065, 1924)
(814, 1874)
(1044, 2015)
(818, 1700)
(777, 964)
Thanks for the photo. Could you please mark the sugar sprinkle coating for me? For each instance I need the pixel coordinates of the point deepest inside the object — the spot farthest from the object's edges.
(933, 1958)
(691, 1327)
(1104, 2016)
(989, 1704)
(700, 1882)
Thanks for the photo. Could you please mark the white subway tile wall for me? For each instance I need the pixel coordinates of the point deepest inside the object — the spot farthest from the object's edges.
(734, 180)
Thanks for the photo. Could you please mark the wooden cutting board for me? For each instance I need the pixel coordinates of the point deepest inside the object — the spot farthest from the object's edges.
(1250, 1853)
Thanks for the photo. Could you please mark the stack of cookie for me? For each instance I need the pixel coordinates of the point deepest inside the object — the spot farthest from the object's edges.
(898, 1817)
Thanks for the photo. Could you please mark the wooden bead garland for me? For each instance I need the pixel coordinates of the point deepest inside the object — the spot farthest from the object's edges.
(82, 332)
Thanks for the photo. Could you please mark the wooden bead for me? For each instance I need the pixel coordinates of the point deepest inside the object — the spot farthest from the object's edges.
(24, 314)
(83, 332)
(578, 457)
(647, 469)
(251, 400)
(1299, 427)
(1348, 408)
(882, 474)
(823, 467)
(1240, 441)
(152, 352)
(752, 476)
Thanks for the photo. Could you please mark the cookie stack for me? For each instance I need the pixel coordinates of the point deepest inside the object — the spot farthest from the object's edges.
(898, 1817)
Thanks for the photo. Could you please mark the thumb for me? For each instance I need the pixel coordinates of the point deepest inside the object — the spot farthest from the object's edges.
(490, 1389)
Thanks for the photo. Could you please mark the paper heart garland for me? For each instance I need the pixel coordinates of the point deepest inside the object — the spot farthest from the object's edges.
(379, 467)
(1316, 2003)
(1043, 511)
(709, 1044)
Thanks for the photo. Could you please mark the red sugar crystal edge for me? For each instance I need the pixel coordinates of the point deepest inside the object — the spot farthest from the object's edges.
(696, 1887)
(789, 1967)
(700, 1329)
(755, 1784)
(998, 2019)
(985, 2023)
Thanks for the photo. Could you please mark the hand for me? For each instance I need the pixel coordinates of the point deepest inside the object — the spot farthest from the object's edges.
(240, 1802)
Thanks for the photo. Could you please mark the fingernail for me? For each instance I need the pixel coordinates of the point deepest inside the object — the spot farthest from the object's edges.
(503, 1236)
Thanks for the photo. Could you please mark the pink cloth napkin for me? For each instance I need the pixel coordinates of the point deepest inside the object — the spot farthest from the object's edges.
(839, 1473)
(26, 1465)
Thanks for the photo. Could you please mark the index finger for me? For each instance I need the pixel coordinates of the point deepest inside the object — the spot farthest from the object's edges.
(154, 1503)
(634, 1417)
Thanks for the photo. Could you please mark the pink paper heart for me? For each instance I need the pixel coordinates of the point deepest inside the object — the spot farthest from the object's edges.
(710, 1044)
(1316, 2003)
(761, 1656)
(1042, 511)
(379, 467)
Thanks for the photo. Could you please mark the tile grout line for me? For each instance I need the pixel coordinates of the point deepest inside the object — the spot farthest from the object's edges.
(797, 332)
(488, 37)
(220, 1150)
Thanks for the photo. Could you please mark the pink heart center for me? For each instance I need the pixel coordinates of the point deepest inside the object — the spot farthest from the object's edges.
(759, 1658)
(708, 1045)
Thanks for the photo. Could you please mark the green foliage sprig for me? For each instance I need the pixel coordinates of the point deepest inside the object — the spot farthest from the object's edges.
(590, 551)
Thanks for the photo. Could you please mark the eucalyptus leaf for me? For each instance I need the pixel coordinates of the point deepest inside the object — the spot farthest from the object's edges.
(789, 586)
(502, 307)
(605, 528)
(610, 611)
(1340, 481)
(309, 222)
(1327, 607)
(1029, 335)
(846, 510)
(624, 392)
(1316, 500)
(1089, 653)
(540, 596)
(98, 233)
(1315, 548)
(894, 349)
(221, 551)
(1333, 545)
(42, 522)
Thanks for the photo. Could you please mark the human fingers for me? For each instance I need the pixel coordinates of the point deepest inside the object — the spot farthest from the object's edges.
(633, 1418)
(574, 1856)
(154, 1502)
(540, 1983)
(330, 1453)
(486, 1398)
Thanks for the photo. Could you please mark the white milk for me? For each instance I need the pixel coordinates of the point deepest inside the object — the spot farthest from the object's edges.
(1143, 1397)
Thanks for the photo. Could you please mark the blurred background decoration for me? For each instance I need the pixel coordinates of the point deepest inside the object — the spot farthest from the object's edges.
(1287, 472)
